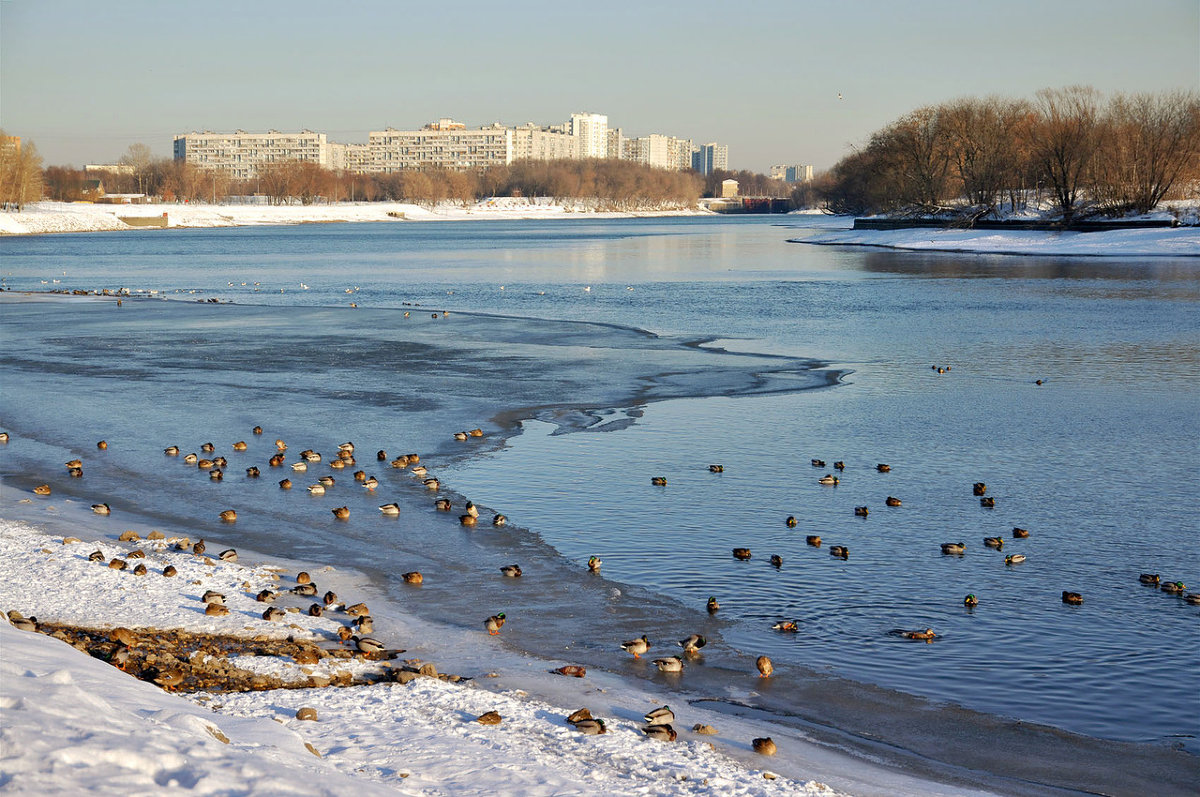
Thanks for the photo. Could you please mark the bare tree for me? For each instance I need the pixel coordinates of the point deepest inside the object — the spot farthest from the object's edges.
(140, 161)
(1064, 142)
(1149, 143)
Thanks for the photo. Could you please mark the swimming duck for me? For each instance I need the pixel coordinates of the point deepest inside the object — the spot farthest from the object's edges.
(926, 635)
(471, 509)
(1149, 578)
(1019, 533)
(240, 445)
(741, 553)
(276, 460)
(970, 600)
(765, 667)
(399, 462)
(42, 489)
(716, 468)
(348, 447)
(101, 509)
(669, 665)
(432, 484)
(442, 504)
(326, 481)
(310, 456)
(954, 548)
(713, 607)
(476, 433)
(216, 474)
(285, 484)
(347, 458)
(660, 716)
(660, 481)
(839, 465)
(337, 464)
(220, 462)
(171, 451)
(257, 430)
(341, 512)
(74, 473)
(460, 436)
(987, 502)
(468, 520)
(692, 645)
(840, 551)
(280, 445)
(499, 520)
(776, 560)
(390, 509)
(892, 501)
(861, 511)
(979, 488)
(413, 459)
(764, 746)
(360, 476)
(512, 571)
(208, 447)
(3, 437)
(818, 463)
(594, 563)
(299, 467)
(829, 480)
(882, 468)
(661, 733)
(494, 623)
(636, 646)
(590, 727)
(418, 470)
(273, 614)
(994, 542)
(1014, 559)
(370, 483)
(1192, 598)
(1072, 598)
(814, 540)
(791, 521)
(229, 515)
(190, 459)
(786, 626)
(1173, 587)
(413, 577)
(252, 472)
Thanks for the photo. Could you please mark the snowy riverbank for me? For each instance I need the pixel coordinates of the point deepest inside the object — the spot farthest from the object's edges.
(51, 217)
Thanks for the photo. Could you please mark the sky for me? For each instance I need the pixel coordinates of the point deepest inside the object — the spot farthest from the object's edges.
(778, 81)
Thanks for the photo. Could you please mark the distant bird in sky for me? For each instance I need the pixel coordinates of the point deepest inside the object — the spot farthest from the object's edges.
(839, 95)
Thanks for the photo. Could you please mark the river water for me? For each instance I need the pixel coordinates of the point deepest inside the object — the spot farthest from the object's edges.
(599, 354)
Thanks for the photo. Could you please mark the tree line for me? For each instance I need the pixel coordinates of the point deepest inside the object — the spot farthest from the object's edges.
(979, 157)
(20, 172)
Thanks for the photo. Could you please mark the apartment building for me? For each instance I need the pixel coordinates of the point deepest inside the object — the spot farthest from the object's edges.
(800, 173)
(349, 157)
(708, 158)
(531, 142)
(443, 144)
(240, 154)
(663, 152)
(592, 131)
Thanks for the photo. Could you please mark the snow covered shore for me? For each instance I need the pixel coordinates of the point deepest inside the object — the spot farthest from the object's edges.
(50, 217)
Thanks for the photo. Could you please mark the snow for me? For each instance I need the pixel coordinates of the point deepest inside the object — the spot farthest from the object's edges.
(48, 217)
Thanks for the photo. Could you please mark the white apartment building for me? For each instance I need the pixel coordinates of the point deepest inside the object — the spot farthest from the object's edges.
(592, 131)
(800, 173)
(531, 142)
(663, 152)
(349, 157)
(707, 158)
(239, 154)
(443, 144)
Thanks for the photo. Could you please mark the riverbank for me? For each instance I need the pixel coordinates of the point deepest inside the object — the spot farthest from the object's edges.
(60, 217)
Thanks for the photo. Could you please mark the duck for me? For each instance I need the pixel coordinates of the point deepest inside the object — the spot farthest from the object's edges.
(229, 515)
(511, 571)
(712, 606)
(954, 548)
(370, 483)
(413, 577)
(776, 560)
(840, 551)
(1014, 559)
(814, 540)
(460, 436)
(346, 458)
(390, 510)
(399, 463)
(839, 465)
(494, 623)
(212, 596)
(381, 455)
(970, 601)
(979, 488)
(3, 437)
(1192, 598)
(476, 432)
(786, 626)
(413, 459)
(273, 614)
(432, 484)
(660, 716)
(764, 746)
(190, 459)
(257, 430)
(23, 623)
(208, 448)
(994, 542)
(442, 504)
(276, 460)
(369, 646)
(266, 596)
(344, 634)
(691, 646)
(337, 464)
(341, 512)
(579, 715)
(499, 520)
(791, 521)
(285, 484)
(1173, 587)
(357, 610)
(671, 664)
(764, 666)
(1019, 533)
(1072, 598)
(42, 489)
(360, 476)
(171, 451)
(228, 555)
(818, 463)
(327, 481)
(927, 635)
(468, 520)
(252, 472)
(741, 553)
(348, 447)
(829, 480)
(280, 445)
(594, 563)
(303, 577)
(636, 646)
(660, 481)
(418, 470)
(220, 462)
(883, 468)
(240, 445)
(329, 598)
(216, 474)
(892, 501)
(987, 502)
(716, 468)
(211, 609)
(590, 727)
(75, 473)
(169, 679)
(299, 467)
(365, 624)
(101, 509)
(308, 589)
(861, 511)
(1149, 578)
(662, 733)
(471, 509)
(199, 548)
(96, 556)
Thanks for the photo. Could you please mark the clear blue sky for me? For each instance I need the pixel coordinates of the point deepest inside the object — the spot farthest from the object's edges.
(84, 79)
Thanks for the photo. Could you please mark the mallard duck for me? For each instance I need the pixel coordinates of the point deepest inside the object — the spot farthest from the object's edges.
(1019, 533)
(418, 470)
(1014, 559)
(3, 437)
(23, 623)
(489, 718)
(208, 448)
(348, 447)
(987, 502)
(925, 635)
(240, 445)
(252, 472)
(970, 600)
(1073, 598)
(326, 481)
(765, 667)
(882, 468)
(42, 489)
(216, 610)
(829, 480)
(75, 473)
(96, 556)
(307, 589)
(499, 520)
(276, 460)
(636, 646)
(432, 484)
(579, 715)
(216, 474)
(299, 467)
(75, 463)
(892, 501)
(475, 432)
(365, 624)
(337, 464)
(212, 596)
(220, 462)
(786, 626)
(413, 459)
(840, 551)
(228, 555)
(341, 512)
(390, 509)
(993, 542)
(818, 463)
(662, 733)
(316, 610)
(660, 716)
(764, 746)
(979, 488)
(1149, 578)
(190, 459)
(169, 679)
(1173, 587)
(303, 577)
(1192, 598)
(285, 484)
(360, 476)
(954, 548)
(839, 465)
(266, 596)
(357, 610)
(861, 511)
(590, 727)
(370, 483)
(344, 634)
(693, 643)
(660, 481)
(512, 571)
(669, 665)
(171, 451)
(594, 563)
(468, 520)
(381, 455)
(199, 548)
(257, 430)
(471, 509)
(329, 598)
(741, 553)
(791, 521)
(716, 468)
(369, 646)
(169, 571)
(229, 515)
(280, 445)
(814, 540)
(494, 623)
(460, 436)
(442, 504)
(413, 577)
(101, 509)
(399, 463)
(713, 607)
(273, 614)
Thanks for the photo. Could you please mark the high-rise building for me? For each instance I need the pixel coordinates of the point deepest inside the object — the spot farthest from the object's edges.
(707, 158)
(443, 144)
(531, 142)
(800, 173)
(240, 154)
(592, 131)
(663, 152)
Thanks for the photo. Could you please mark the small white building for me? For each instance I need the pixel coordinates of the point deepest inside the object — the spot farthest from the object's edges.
(729, 188)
